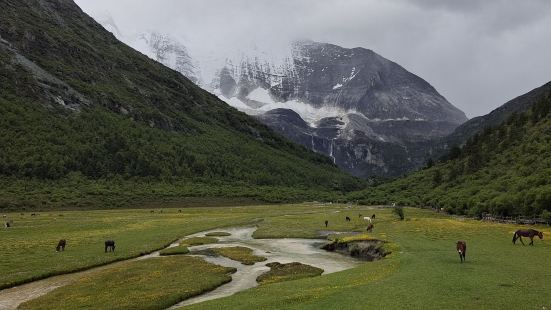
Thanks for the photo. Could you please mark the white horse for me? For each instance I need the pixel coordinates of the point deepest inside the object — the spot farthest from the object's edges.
(368, 219)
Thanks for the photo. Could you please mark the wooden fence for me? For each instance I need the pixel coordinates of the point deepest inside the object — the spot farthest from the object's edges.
(526, 220)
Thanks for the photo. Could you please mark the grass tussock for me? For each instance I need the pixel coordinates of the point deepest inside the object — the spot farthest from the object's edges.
(240, 254)
(177, 250)
(286, 272)
(198, 241)
(218, 234)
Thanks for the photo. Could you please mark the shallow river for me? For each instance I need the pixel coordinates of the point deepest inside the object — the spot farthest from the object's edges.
(288, 250)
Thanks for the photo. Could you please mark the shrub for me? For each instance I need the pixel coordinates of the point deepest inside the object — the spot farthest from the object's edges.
(399, 211)
(546, 216)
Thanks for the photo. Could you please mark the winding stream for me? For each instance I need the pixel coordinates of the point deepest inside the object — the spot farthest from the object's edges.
(287, 250)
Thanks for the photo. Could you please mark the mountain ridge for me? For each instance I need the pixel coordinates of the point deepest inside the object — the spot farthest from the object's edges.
(358, 106)
(77, 102)
(501, 169)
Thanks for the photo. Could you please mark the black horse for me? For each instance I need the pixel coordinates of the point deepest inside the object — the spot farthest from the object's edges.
(347, 219)
(530, 233)
(461, 247)
(109, 245)
(61, 245)
(326, 223)
(373, 216)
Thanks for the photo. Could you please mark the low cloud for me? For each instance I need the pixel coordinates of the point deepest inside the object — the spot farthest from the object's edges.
(478, 54)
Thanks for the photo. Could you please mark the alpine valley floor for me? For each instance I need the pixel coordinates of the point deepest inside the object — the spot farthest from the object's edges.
(422, 272)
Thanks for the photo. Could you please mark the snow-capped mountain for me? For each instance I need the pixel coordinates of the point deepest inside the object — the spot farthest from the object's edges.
(158, 46)
(168, 51)
(370, 115)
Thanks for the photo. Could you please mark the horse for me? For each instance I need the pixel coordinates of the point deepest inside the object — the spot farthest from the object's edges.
(368, 219)
(370, 227)
(347, 219)
(110, 245)
(461, 247)
(326, 223)
(61, 245)
(373, 216)
(530, 233)
(179, 211)
(7, 224)
(360, 215)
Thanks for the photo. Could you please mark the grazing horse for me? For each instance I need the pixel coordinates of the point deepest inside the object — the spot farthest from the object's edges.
(530, 233)
(326, 223)
(370, 227)
(61, 245)
(368, 219)
(373, 216)
(461, 247)
(347, 219)
(110, 245)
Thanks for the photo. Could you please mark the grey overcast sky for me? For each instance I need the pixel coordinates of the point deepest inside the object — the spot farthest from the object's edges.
(477, 53)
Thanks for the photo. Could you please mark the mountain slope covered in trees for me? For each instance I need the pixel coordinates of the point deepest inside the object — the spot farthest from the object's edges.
(78, 105)
(503, 170)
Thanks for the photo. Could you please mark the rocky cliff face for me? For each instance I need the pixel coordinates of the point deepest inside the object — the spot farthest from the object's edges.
(370, 115)
(170, 52)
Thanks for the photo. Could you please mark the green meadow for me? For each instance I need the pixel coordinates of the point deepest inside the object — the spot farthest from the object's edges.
(422, 272)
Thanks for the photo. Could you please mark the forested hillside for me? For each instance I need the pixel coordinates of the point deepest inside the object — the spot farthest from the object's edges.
(77, 105)
(503, 170)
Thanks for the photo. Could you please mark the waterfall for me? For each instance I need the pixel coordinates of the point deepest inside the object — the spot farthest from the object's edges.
(331, 151)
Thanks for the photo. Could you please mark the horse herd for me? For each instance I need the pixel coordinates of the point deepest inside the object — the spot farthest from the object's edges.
(109, 245)
(461, 246)
(368, 219)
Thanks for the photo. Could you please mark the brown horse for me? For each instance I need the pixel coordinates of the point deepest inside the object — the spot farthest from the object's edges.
(326, 223)
(370, 227)
(347, 219)
(530, 233)
(61, 245)
(461, 247)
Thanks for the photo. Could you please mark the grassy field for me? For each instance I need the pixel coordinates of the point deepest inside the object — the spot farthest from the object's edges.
(422, 272)
(138, 285)
(32, 239)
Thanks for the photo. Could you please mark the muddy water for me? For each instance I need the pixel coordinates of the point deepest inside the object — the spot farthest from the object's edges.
(306, 251)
